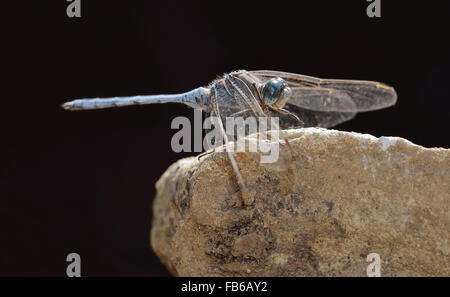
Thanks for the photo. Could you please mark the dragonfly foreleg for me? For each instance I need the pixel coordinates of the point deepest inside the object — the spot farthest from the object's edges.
(284, 111)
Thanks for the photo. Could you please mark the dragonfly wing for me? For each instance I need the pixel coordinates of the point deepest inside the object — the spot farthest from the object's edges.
(293, 79)
(367, 95)
(322, 99)
(312, 118)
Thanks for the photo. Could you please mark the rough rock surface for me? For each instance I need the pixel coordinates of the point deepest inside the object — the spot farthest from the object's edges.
(334, 199)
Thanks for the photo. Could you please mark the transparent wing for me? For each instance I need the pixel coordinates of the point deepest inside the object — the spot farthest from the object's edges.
(322, 99)
(366, 95)
(293, 79)
(312, 118)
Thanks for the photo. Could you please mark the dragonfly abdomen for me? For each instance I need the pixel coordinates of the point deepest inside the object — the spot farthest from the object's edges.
(196, 98)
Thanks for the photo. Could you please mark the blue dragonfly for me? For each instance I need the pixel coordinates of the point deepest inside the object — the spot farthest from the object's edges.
(296, 100)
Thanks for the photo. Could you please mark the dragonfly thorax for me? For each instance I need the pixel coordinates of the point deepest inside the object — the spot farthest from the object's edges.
(276, 92)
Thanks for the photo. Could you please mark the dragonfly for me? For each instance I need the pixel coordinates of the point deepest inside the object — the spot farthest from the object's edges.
(296, 100)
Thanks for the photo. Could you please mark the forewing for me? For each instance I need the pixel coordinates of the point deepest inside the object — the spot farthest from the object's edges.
(322, 99)
(366, 95)
(293, 79)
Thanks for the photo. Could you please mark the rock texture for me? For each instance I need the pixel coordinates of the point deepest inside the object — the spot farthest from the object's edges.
(334, 199)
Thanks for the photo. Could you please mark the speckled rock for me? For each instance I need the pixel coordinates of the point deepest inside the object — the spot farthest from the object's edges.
(332, 199)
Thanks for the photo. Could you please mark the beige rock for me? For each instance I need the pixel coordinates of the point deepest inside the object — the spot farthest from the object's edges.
(336, 198)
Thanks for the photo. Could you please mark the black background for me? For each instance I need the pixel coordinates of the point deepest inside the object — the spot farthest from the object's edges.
(84, 181)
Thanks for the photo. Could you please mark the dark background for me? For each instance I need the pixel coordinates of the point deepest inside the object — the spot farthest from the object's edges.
(84, 181)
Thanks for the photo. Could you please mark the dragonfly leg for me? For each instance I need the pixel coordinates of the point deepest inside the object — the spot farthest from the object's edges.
(258, 91)
(283, 136)
(234, 165)
(213, 150)
(205, 154)
(238, 113)
(284, 111)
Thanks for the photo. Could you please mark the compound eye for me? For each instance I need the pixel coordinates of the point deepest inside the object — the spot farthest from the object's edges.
(274, 89)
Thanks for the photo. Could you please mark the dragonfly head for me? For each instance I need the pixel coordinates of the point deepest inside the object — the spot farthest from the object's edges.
(276, 92)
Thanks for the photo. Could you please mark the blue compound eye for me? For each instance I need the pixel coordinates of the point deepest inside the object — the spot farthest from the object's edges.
(273, 90)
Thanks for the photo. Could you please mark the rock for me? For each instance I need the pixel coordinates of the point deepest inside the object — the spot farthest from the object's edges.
(335, 199)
